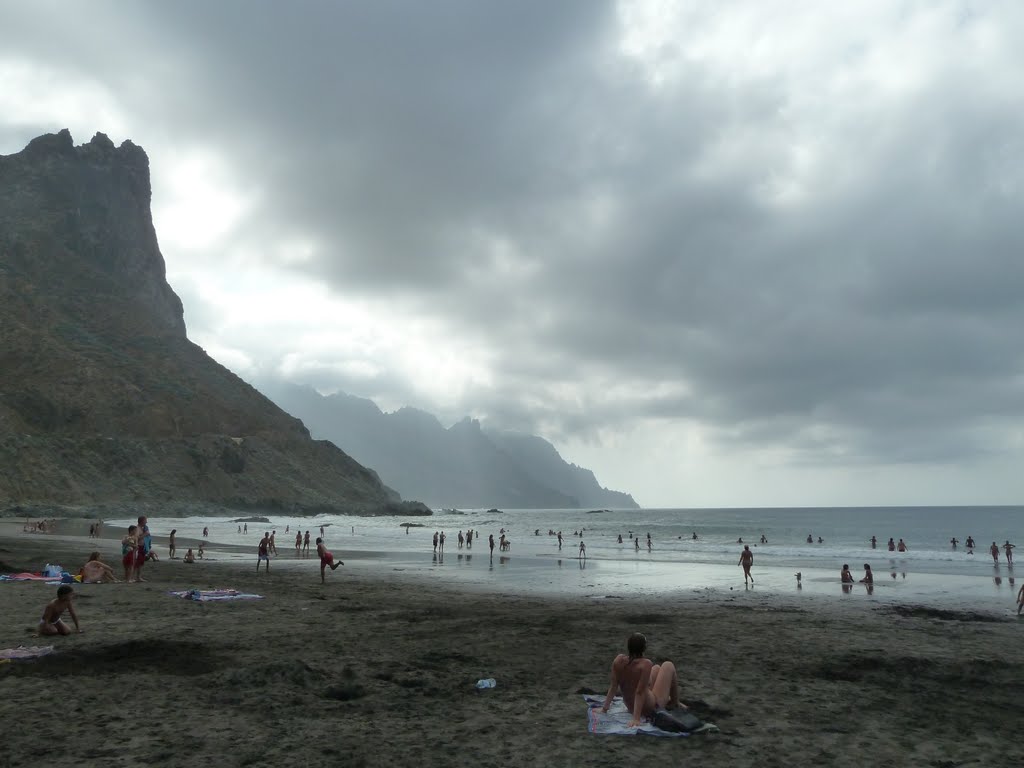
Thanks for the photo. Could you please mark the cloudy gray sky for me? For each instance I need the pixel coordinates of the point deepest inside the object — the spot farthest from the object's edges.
(723, 253)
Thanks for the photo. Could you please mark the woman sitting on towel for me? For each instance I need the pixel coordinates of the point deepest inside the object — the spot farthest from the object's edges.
(96, 571)
(643, 685)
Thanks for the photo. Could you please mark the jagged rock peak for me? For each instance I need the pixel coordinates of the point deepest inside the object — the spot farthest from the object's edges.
(85, 211)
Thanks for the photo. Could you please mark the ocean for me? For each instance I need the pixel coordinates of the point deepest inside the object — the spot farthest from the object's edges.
(930, 572)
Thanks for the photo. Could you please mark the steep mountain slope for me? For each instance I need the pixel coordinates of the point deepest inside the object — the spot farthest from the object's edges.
(103, 399)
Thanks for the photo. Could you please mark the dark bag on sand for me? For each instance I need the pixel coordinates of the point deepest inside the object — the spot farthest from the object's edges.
(679, 721)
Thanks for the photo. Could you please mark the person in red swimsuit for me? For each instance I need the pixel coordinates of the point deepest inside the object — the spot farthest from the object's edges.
(326, 559)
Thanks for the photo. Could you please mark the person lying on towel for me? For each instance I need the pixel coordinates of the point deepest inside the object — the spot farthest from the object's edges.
(644, 686)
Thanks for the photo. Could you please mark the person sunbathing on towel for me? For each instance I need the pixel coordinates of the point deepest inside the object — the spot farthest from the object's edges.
(643, 685)
(51, 623)
(96, 571)
(326, 558)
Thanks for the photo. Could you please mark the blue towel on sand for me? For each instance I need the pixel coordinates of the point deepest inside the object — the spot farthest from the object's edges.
(616, 721)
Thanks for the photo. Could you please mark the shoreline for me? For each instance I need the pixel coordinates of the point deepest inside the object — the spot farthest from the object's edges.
(317, 673)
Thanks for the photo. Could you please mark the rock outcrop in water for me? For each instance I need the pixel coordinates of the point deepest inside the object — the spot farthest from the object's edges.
(103, 399)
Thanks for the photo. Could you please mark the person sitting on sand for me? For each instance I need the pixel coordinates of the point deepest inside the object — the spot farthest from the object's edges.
(189, 557)
(845, 576)
(326, 559)
(869, 577)
(95, 571)
(644, 686)
(50, 623)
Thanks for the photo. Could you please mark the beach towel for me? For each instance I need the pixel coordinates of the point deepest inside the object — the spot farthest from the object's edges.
(28, 577)
(213, 595)
(616, 721)
(23, 652)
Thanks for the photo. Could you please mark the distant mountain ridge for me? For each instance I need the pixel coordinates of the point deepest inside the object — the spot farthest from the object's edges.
(462, 466)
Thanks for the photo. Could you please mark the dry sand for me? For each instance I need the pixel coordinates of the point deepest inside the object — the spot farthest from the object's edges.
(380, 672)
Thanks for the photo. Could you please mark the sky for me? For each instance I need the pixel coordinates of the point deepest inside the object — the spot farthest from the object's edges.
(722, 253)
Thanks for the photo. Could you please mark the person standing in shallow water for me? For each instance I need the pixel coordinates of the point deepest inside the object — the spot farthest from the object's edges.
(1008, 548)
(645, 687)
(298, 543)
(994, 550)
(490, 542)
(435, 541)
(305, 544)
(746, 560)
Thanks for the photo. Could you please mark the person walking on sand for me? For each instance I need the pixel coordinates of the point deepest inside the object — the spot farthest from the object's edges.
(298, 543)
(305, 544)
(170, 544)
(645, 687)
(263, 552)
(50, 623)
(746, 560)
(1008, 548)
(326, 559)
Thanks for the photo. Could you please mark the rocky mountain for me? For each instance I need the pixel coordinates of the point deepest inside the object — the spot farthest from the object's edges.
(103, 399)
(461, 466)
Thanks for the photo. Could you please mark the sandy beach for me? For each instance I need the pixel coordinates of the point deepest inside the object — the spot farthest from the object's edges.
(380, 671)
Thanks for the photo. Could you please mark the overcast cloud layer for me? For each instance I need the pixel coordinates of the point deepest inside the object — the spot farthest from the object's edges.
(723, 253)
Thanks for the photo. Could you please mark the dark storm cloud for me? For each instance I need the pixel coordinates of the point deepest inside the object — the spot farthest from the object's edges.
(502, 167)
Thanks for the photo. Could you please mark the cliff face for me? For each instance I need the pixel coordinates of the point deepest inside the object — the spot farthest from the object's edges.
(103, 399)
